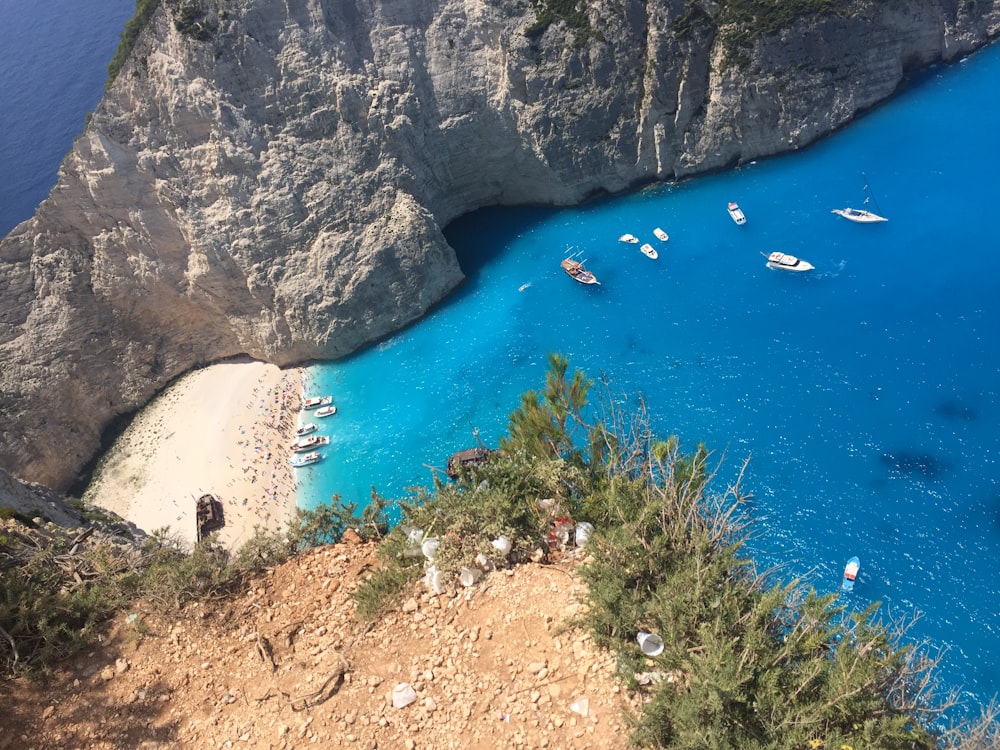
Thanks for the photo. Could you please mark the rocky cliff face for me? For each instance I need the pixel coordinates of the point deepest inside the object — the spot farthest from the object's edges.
(278, 187)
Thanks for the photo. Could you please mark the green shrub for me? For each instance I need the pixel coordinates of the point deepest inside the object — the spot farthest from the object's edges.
(51, 602)
(8, 514)
(172, 577)
(193, 22)
(383, 590)
(742, 22)
(144, 10)
(570, 12)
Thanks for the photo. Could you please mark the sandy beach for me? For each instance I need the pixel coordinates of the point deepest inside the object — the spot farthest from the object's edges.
(223, 430)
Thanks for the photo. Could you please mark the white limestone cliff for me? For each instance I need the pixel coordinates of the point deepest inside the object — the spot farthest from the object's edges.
(279, 189)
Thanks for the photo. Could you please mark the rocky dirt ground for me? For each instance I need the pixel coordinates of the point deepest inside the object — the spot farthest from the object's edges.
(286, 665)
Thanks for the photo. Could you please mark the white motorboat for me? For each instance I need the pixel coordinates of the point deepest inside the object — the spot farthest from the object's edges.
(326, 411)
(306, 460)
(305, 429)
(737, 213)
(317, 401)
(861, 215)
(630, 238)
(661, 235)
(649, 251)
(306, 443)
(787, 262)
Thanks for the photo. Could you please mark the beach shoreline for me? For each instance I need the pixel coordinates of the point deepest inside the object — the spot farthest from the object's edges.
(223, 430)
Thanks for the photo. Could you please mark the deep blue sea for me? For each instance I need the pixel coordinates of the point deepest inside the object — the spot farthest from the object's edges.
(864, 393)
(54, 57)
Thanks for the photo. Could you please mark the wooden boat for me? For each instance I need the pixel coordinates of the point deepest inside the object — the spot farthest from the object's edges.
(308, 459)
(786, 262)
(861, 215)
(737, 213)
(326, 411)
(649, 251)
(317, 401)
(630, 238)
(661, 235)
(208, 515)
(577, 272)
(467, 459)
(850, 574)
(304, 444)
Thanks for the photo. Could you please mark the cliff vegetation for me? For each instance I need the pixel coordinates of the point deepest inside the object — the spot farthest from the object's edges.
(746, 661)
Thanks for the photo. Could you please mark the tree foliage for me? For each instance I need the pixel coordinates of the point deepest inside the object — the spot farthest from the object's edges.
(748, 662)
(570, 12)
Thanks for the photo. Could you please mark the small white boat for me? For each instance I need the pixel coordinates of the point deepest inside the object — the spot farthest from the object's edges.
(787, 262)
(304, 444)
(850, 574)
(737, 213)
(306, 460)
(316, 401)
(861, 215)
(305, 429)
(630, 238)
(661, 235)
(576, 271)
(326, 411)
(649, 251)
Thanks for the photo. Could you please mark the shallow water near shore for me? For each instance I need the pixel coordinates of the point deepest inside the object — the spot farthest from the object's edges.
(864, 392)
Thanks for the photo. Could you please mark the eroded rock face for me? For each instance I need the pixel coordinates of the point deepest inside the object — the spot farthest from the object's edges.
(279, 188)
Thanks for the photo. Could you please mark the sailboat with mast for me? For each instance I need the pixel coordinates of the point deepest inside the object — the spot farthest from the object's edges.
(862, 215)
(576, 270)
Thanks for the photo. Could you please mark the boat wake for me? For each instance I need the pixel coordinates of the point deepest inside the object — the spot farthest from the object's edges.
(834, 272)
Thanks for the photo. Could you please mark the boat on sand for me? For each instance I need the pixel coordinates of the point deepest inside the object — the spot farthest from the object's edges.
(209, 515)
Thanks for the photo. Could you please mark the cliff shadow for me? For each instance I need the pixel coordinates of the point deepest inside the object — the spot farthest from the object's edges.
(479, 238)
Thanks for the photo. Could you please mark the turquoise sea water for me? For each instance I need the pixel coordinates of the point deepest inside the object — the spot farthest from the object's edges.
(864, 393)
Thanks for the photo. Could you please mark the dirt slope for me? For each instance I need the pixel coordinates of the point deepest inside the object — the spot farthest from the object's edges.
(286, 666)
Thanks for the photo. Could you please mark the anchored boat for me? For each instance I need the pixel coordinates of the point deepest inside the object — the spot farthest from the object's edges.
(576, 271)
(861, 215)
(786, 262)
(850, 574)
